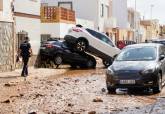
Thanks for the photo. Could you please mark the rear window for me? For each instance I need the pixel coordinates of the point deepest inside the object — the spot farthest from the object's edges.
(101, 37)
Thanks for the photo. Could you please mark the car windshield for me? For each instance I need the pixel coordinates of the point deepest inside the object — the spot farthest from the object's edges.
(137, 54)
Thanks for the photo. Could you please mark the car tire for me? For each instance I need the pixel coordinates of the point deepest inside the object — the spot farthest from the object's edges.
(111, 90)
(91, 63)
(81, 45)
(158, 87)
(107, 63)
(73, 66)
(58, 59)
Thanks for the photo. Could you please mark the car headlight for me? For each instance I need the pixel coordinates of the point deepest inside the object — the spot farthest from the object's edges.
(148, 70)
(109, 71)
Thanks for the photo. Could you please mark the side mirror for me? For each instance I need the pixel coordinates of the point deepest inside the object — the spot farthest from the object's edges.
(161, 57)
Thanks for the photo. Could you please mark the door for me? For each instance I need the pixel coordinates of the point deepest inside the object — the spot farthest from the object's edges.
(162, 52)
(102, 43)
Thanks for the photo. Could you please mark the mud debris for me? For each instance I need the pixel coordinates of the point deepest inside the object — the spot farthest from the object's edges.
(6, 101)
(92, 112)
(97, 99)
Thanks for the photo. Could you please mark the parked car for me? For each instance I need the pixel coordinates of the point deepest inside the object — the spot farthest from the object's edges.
(60, 53)
(138, 65)
(84, 39)
(122, 43)
(161, 41)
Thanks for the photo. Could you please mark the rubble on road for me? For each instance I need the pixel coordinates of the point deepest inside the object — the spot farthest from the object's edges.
(60, 91)
(97, 99)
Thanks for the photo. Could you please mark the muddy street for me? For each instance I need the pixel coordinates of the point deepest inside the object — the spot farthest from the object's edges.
(66, 91)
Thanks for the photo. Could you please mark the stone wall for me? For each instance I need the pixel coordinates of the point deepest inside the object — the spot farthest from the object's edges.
(6, 46)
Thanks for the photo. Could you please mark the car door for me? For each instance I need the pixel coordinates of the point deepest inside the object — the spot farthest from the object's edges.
(102, 43)
(162, 52)
(107, 46)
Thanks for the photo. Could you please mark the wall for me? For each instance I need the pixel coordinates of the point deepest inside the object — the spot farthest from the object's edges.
(86, 23)
(32, 26)
(84, 11)
(6, 46)
(119, 11)
(57, 30)
(27, 6)
(29, 21)
(6, 12)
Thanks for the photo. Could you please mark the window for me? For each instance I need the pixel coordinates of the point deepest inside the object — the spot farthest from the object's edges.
(45, 37)
(67, 5)
(1, 5)
(100, 37)
(102, 10)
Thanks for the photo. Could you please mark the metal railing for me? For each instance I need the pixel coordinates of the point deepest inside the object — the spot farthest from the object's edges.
(52, 14)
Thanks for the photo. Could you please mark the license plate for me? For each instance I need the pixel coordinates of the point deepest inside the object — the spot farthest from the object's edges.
(127, 81)
(42, 47)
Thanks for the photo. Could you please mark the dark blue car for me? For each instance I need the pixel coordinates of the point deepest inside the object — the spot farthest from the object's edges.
(60, 53)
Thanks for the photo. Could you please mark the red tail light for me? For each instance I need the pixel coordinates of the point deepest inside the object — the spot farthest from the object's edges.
(49, 46)
(76, 30)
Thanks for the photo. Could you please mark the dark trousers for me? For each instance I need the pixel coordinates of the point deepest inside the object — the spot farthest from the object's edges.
(25, 66)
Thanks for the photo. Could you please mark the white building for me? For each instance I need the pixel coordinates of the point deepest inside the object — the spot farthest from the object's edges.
(93, 10)
(27, 18)
(6, 10)
(119, 11)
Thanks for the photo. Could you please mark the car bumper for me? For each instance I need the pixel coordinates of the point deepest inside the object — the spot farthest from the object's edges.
(140, 82)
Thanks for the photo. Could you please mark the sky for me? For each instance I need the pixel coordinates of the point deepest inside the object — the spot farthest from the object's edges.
(144, 7)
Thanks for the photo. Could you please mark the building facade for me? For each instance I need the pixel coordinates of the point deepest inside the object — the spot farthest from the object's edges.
(7, 41)
(27, 19)
(56, 21)
(95, 10)
(134, 25)
(151, 29)
(119, 11)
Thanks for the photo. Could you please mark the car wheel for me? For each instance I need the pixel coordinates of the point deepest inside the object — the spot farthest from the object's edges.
(58, 59)
(111, 90)
(91, 63)
(73, 66)
(81, 45)
(158, 87)
(107, 63)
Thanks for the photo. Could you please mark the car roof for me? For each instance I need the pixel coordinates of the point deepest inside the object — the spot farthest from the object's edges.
(158, 40)
(144, 44)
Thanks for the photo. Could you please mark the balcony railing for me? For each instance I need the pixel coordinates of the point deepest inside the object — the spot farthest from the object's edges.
(52, 14)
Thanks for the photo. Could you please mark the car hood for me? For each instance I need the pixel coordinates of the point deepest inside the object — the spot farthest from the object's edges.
(131, 65)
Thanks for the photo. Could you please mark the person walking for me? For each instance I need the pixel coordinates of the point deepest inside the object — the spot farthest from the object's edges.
(25, 52)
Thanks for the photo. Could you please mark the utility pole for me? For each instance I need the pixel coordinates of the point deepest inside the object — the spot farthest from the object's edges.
(151, 10)
(135, 34)
(151, 17)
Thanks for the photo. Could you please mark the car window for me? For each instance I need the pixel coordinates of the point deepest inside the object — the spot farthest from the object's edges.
(137, 54)
(100, 37)
(162, 50)
(161, 42)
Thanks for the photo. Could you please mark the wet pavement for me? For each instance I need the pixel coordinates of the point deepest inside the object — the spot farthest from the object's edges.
(71, 91)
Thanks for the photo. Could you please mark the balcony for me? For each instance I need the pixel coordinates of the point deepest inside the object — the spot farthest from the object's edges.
(52, 14)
